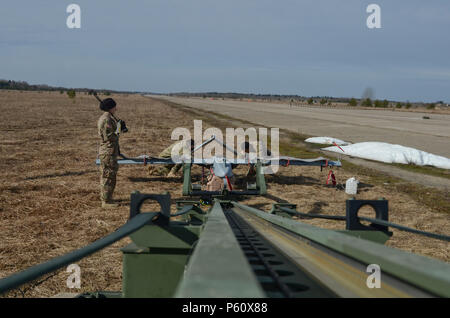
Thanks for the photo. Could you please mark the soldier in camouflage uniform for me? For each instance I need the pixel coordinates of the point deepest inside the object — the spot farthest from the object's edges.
(108, 151)
(170, 170)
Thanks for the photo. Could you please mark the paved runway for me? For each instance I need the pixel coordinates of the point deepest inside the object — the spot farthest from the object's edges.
(403, 128)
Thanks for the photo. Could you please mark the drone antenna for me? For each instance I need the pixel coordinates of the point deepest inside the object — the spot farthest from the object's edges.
(225, 145)
(204, 144)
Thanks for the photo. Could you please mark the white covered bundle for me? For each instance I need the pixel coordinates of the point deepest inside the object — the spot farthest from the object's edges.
(385, 152)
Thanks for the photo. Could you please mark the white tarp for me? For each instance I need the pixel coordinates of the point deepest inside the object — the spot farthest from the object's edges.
(384, 152)
(327, 141)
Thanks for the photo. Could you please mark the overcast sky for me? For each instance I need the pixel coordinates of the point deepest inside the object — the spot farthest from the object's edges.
(304, 47)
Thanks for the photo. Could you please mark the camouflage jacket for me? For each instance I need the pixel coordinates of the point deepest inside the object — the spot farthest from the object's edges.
(167, 153)
(107, 127)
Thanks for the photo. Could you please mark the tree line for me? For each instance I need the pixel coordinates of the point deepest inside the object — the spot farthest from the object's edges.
(24, 86)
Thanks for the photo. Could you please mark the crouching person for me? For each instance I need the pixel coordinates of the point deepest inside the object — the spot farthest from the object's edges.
(171, 170)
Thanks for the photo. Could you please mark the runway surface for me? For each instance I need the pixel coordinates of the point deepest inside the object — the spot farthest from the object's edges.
(354, 125)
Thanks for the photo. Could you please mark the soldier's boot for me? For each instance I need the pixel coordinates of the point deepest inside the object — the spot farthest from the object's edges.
(172, 174)
(152, 170)
(108, 202)
(163, 171)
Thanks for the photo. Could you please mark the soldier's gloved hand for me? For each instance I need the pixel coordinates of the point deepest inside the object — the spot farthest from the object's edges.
(121, 127)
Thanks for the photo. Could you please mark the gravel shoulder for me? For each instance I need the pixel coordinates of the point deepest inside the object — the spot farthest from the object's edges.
(414, 177)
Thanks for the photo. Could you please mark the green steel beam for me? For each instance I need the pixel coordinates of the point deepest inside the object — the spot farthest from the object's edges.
(260, 179)
(374, 236)
(154, 263)
(175, 235)
(218, 266)
(187, 178)
(423, 272)
(152, 272)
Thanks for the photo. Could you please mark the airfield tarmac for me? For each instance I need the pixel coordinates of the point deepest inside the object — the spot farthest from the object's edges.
(353, 125)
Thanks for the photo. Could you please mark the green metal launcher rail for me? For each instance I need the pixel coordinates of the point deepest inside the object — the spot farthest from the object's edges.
(233, 250)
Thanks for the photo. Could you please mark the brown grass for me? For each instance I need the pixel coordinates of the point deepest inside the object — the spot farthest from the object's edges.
(49, 189)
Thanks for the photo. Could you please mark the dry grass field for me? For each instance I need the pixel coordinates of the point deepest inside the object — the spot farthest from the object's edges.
(49, 186)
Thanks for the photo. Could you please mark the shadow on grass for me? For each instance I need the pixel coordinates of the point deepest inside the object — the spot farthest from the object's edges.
(65, 174)
(363, 185)
(278, 179)
(275, 198)
(150, 179)
(317, 207)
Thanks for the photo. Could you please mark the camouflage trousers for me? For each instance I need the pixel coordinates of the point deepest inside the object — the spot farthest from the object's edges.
(174, 168)
(108, 173)
(164, 170)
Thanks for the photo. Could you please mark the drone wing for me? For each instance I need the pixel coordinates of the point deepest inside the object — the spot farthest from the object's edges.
(292, 161)
(281, 160)
(142, 160)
